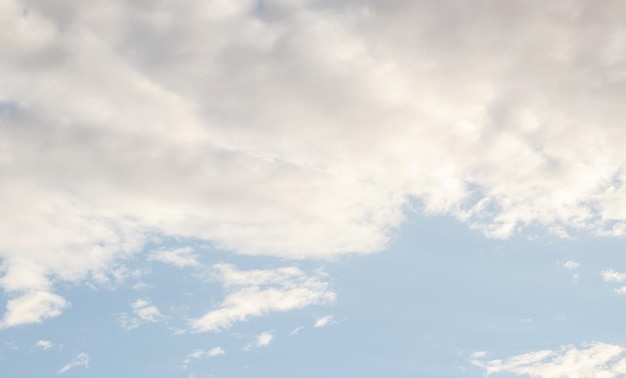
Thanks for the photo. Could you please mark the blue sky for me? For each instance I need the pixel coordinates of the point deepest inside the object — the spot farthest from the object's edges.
(312, 188)
(425, 306)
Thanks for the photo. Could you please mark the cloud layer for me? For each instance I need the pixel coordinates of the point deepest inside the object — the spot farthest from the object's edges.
(298, 129)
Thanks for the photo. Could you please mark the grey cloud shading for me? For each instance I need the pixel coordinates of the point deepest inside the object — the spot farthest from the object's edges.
(300, 130)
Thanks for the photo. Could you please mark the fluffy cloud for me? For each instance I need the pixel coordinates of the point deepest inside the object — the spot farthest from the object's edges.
(300, 128)
(612, 276)
(257, 292)
(592, 361)
(32, 307)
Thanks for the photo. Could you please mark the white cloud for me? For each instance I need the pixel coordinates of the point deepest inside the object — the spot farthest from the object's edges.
(43, 344)
(571, 265)
(127, 322)
(143, 311)
(478, 354)
(81, 359)
(146, 311)
(594, 360)
(201, 353)
(110, 136)
(180, 257)
(213, 352)
(613, 276)
(296, 331)
(33, 307)
(257, 292)
(264, 339)
(261, 340)
(324, 321)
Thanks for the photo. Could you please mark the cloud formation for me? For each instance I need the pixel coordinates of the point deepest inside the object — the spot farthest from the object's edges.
(143, 311)
(257, 292)
(32, 307)
(82, 359)
(261, 340)
(179, 257)
(591, 361)
(43, 344)
(324, 321)
(298, 129)
(201, 353)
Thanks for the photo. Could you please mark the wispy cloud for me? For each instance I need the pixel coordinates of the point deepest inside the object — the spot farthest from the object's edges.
(591, 361)
(324, 321)
(81, 359)
(296, 331)
(478, 354)
(43, 345)
(143, 311)
(146, 311)
(202, 353)
(571, 266)
(180, 257)
(257, 292)
(261, 340)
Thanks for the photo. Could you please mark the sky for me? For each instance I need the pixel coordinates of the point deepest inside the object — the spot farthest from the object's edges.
(312, 188)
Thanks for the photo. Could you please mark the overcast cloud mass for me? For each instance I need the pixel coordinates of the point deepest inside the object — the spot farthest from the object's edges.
(306, 130)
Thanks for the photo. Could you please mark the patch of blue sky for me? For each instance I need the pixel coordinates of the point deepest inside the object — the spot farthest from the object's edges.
(421, 308)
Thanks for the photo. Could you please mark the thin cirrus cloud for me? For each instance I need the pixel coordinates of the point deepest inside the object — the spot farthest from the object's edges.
(593, 360)
(82, 359)
(509, 119)
(257, 292)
